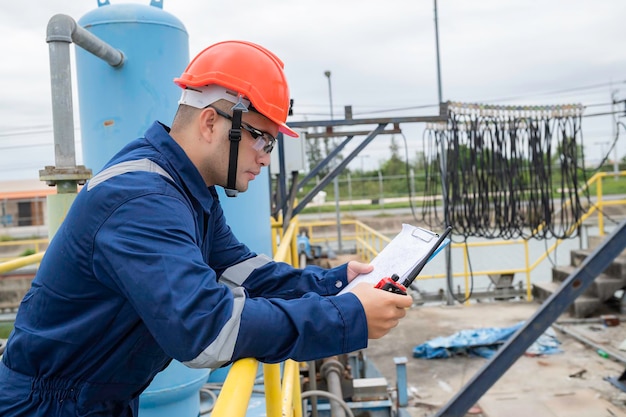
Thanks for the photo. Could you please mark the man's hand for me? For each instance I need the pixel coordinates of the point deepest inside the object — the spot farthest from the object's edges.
(356, 268)
(383, 309)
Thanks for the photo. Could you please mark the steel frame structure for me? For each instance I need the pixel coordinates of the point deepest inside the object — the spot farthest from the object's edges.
(284, 200)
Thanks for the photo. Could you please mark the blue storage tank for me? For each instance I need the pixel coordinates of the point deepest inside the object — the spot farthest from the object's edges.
(248, 214)
(116, 105)
(174, 392)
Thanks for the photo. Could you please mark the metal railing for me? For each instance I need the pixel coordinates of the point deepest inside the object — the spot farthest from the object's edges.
(20, 262)
(369, 242)
(282, 398)
(26, 245)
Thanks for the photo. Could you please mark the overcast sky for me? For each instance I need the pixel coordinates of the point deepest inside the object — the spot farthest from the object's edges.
(381, 55)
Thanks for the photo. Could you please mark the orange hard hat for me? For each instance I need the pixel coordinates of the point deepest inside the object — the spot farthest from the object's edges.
(248, 69)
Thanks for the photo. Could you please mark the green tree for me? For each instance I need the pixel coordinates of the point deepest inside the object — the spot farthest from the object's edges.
(394, 165)
(314, 152)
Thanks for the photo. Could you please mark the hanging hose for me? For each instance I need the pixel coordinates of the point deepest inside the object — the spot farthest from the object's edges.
(505, 170)
(330, 396)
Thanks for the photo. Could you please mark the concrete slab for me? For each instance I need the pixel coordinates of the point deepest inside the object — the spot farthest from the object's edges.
(579, 403)
(531, 386)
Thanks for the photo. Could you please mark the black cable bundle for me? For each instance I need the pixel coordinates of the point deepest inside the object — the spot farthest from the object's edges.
(508, 172)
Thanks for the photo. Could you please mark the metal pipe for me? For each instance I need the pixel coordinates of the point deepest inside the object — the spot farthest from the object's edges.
(62, 28)
(20, 262)
(288, 387)
(313, 387)
(439, 93)
(65, 175)
(589, 343)
(62, 110)
(332, 370)
(273, 398)
(237, 389)
(61, 31)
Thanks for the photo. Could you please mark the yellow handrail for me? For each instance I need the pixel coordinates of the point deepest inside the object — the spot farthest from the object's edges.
(292, 401)
(237, 389)
(273, 399)
(20, 262)
(35, 244)
(280, 401)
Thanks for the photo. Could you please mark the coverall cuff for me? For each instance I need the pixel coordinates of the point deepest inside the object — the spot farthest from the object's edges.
(336, 279)
(353, 315)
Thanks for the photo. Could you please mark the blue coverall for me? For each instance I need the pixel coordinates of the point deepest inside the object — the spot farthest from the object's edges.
(145, 269)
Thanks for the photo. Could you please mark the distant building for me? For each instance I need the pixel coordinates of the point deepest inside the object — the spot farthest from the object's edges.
(23, 207)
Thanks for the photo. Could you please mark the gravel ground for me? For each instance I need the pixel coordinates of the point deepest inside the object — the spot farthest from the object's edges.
(532, 381)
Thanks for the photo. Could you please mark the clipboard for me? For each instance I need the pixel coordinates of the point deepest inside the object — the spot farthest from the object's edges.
(410, 250)
(431, 253)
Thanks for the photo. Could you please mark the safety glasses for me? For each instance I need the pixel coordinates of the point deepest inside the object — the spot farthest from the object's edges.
(262, 140)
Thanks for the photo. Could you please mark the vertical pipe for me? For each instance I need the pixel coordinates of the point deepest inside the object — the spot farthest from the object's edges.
(412, 184)
(288, 387)
(440, 94)
(614, 111)
(62, 109)
(448, 249)
(350, 190)
(338, 211)
(599, 203)
(297, 392)
(313, 387)
(466, 271)
(271, 376)
(529, 293)
(332, 370)
(336, 179)
(381, 190)
(401, 378)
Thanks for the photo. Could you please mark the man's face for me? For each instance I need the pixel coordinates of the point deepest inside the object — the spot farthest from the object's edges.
(251, 156)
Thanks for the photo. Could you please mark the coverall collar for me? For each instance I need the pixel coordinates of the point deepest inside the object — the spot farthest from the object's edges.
(180, 165)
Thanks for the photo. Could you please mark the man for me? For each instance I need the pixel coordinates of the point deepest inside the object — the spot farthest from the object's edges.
(144, 268)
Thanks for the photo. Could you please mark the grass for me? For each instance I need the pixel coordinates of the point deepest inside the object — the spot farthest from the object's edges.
(5, 329)
(610, 186)
(330, 208)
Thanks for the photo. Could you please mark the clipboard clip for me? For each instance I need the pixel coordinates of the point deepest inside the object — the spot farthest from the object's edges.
(424, 235)
(391, 284)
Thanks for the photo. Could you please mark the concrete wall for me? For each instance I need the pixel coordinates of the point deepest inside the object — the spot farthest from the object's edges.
(12, 289)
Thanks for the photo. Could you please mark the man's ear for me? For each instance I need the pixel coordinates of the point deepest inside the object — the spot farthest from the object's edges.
(207, 120)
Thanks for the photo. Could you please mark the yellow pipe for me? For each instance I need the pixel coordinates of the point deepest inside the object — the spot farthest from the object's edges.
(20, 262)
(297, 394)
(235, 395)
(599, 203)
(290, 369)
(273, 403)
(283, 251)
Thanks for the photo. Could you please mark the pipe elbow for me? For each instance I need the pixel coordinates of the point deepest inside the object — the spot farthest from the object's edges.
(60, 28)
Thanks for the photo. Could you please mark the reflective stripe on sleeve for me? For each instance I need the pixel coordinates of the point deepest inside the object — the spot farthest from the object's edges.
(237, 274)
(221, 350)
(124, 167)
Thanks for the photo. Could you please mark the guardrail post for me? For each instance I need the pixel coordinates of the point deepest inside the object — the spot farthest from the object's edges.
(401, 378)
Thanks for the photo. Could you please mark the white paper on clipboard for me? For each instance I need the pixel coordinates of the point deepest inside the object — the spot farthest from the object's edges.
(401, 255)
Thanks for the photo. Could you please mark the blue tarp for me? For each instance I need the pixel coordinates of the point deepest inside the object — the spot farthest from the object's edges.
(483, 342)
